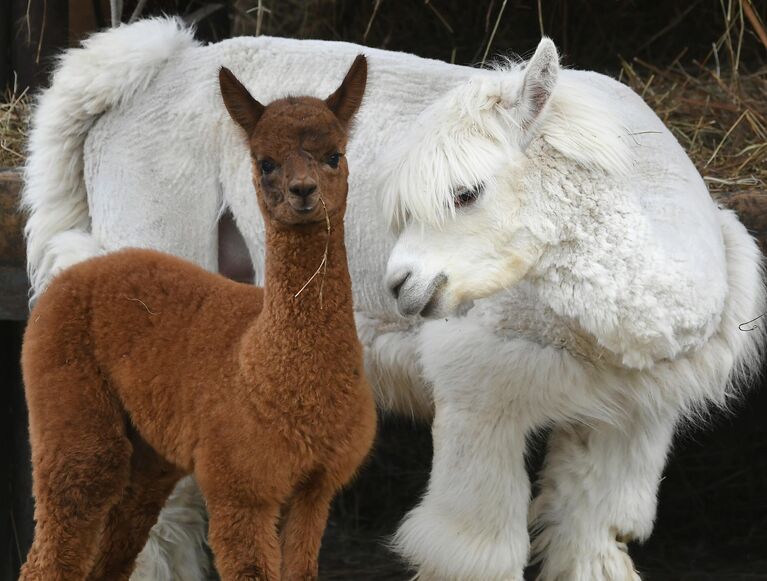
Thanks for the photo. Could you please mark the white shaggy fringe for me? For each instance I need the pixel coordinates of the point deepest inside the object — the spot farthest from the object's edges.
(108, 69)
(579, 122)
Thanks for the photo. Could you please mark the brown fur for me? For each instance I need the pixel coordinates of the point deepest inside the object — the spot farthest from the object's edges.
(141, 367)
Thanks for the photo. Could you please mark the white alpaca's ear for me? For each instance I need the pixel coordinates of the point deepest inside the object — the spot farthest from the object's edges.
(541, 73)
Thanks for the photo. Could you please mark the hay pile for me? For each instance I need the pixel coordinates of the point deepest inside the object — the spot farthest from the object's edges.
(14, 124)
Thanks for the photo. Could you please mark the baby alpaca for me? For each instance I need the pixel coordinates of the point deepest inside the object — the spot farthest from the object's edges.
(140, 368)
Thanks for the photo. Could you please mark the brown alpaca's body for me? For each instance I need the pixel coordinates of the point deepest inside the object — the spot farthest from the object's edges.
(141, 367)
(159, 354)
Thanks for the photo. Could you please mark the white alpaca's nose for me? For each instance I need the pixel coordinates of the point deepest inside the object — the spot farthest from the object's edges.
(395, 282)
(416, 295)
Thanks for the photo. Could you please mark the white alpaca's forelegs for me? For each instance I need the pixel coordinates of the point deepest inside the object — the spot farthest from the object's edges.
(472, 522)
(176, 548)
(598, 491)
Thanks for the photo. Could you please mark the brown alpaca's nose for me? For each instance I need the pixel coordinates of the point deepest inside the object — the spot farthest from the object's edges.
(302, 189)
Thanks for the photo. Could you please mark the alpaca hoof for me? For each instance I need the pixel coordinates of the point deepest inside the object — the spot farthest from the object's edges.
(442, 548)
(613, 563)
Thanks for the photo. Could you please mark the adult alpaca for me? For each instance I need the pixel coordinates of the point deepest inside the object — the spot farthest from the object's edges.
(606, 294)
(123, 135)
(126, 394)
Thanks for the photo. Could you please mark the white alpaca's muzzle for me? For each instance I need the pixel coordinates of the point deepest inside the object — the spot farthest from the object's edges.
(416, 294)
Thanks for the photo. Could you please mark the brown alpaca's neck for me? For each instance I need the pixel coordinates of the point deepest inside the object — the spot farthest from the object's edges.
(294, 261)
(305, 350)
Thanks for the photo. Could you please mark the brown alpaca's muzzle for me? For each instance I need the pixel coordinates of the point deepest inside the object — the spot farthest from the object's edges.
(303, 195)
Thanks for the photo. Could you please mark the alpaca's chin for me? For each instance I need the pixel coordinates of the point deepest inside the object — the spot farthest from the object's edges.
(301, 207)
(442, 307)
(299, 216)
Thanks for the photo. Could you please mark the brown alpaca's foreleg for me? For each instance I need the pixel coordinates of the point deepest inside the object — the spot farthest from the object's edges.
(81, 462)
(305, 519)
(244, 540)
(130, 520)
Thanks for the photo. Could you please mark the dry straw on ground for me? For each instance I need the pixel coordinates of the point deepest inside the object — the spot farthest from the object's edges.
(14, 123)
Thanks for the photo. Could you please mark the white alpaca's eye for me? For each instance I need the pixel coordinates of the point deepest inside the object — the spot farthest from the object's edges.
(463, 196)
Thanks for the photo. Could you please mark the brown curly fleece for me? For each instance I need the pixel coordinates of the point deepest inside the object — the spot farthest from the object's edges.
(140, 367)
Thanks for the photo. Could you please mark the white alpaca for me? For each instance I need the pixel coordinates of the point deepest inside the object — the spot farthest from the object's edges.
(603, 294)
(600, 288)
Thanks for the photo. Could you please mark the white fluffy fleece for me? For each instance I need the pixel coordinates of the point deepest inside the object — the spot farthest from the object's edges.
(608, 289)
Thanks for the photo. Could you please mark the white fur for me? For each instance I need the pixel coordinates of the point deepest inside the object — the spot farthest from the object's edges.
(607, 289)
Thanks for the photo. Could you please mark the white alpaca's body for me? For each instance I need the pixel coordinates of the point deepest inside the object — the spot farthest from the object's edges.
(617, 314)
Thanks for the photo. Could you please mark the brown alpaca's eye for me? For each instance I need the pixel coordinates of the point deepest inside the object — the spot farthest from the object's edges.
(464, 196)
(333, 160)
(267, 166)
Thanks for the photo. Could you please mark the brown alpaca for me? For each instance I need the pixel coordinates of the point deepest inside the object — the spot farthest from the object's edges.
(141, 367)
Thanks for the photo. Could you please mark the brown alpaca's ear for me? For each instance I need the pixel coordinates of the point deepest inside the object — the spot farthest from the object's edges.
(348, 97)
(242, 107)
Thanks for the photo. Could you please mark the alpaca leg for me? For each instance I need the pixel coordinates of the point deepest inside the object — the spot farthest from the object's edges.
(129, 521)
(81, 460)
(304, 521)
(243, 536)
(176, 548)
(599, 491)
(472, 522)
